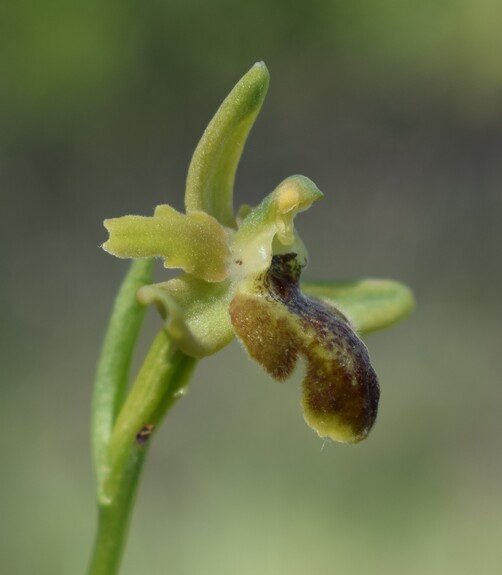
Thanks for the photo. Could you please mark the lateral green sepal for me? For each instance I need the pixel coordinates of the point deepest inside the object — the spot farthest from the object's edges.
(196, 242)
(195, 312)
(370, 304)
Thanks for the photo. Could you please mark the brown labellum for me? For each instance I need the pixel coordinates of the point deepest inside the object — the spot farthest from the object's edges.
(277, 324)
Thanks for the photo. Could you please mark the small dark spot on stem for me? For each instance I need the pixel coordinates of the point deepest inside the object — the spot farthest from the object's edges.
(143, 434)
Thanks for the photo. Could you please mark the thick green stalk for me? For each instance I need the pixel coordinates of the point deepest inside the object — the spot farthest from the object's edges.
(161, 380)
(113, 522)
(112, 374)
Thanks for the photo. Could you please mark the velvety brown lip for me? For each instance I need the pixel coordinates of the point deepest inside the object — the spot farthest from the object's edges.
(277, 323)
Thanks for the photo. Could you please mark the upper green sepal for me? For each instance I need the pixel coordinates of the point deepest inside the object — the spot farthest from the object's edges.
(211, 174)
(370, 304)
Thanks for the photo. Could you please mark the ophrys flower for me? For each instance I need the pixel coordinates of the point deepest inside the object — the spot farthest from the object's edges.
(242, 277)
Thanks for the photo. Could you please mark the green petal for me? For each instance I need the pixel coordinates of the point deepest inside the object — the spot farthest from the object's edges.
(277, 324)
(370, 304)
(196, 313)
(196, 243)
(212, 170)
(269, 228)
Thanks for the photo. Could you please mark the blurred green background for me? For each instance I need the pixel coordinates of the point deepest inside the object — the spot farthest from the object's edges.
(395, 110)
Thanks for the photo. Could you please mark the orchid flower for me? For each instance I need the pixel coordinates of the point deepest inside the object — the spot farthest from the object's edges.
(242, 278)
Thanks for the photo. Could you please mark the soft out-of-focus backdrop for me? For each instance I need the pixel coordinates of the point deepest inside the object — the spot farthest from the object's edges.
(395, 110)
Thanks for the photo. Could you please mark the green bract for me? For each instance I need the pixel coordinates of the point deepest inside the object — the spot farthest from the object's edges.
(241, 277)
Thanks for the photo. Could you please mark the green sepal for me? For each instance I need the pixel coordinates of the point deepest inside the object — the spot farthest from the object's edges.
(211, 174)
(195, 312)
(369, 304)
(196, 242)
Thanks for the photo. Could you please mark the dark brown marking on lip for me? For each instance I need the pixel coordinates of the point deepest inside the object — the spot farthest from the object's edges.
(277, 323)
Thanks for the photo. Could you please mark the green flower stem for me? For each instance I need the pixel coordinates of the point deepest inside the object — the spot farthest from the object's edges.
(113, 522)
(160, 382)
(112, 374)
(117, 419)
(221, 261)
